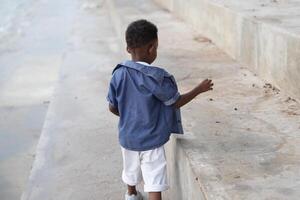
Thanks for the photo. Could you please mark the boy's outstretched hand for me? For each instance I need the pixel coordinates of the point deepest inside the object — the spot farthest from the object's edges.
(204, 86)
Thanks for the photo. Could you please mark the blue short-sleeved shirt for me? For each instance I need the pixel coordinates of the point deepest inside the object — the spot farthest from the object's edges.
(144, 96)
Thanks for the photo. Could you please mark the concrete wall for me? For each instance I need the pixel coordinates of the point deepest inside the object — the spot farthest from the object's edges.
(184, 184)
(268, 50)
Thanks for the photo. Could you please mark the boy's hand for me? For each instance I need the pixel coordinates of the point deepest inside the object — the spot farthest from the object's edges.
(113, 110)
(205, 86)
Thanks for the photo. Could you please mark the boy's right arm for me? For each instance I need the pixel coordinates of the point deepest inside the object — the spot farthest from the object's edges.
(205, 86)
(113, 110)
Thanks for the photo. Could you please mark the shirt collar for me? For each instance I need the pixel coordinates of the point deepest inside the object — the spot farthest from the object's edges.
(143, 63)
(155, 72)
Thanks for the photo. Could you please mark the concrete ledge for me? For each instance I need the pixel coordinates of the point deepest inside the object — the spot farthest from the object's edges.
(263, 35)
(184, 183)
(241, 140)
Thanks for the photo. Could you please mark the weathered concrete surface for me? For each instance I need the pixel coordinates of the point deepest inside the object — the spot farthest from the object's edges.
(241, 139)
(263, 34)
(78, 155)
(32, 41)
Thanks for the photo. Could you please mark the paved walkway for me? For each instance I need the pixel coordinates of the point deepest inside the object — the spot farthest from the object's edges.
(78, 156)
(32, 43)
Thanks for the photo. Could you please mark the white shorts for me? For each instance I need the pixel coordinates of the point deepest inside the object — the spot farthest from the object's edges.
(149, 166)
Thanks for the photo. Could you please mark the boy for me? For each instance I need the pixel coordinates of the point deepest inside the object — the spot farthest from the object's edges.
(147, 101)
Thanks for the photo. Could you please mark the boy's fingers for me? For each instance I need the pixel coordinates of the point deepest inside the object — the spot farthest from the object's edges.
(207, 82)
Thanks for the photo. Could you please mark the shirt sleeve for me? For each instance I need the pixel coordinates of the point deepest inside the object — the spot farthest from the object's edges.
(111, 96)
(167, 92)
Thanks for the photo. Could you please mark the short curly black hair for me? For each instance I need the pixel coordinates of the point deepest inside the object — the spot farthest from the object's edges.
(140, 32)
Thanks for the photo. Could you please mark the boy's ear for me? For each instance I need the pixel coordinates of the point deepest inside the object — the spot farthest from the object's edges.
(151, 47)
(128, 49)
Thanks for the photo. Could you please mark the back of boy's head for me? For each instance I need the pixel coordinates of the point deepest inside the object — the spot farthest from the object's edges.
(140, 33)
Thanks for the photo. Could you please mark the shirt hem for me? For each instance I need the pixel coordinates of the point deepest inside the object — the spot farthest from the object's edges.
(172, 100)
(147, 148)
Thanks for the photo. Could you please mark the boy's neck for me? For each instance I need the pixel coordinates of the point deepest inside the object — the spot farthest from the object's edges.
(140, 59)
(141, 62)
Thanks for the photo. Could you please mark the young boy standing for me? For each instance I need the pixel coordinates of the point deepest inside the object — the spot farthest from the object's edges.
(147, 100)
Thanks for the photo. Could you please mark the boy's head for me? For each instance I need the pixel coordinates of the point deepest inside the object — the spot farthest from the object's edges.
(142, 41)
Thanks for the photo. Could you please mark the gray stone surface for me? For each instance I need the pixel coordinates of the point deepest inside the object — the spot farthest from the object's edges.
(242, 139)
(240, 142)
(78, 155)
(263, 34)
(32, 42)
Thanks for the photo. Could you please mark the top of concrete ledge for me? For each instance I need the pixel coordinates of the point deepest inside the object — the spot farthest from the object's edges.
(262, 34)
(242, 139)
(281, 13)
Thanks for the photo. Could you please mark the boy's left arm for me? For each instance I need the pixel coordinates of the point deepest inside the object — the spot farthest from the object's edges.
(167, 91)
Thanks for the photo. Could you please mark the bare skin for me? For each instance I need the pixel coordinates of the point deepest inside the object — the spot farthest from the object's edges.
(152, 195)
(148, 54)
(113, 110)
(131, 190)
(204, 86)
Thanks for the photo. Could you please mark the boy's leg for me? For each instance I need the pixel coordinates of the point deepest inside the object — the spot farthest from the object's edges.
(154, 195)
(154, 171)
(131, 190)
(131, 173)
